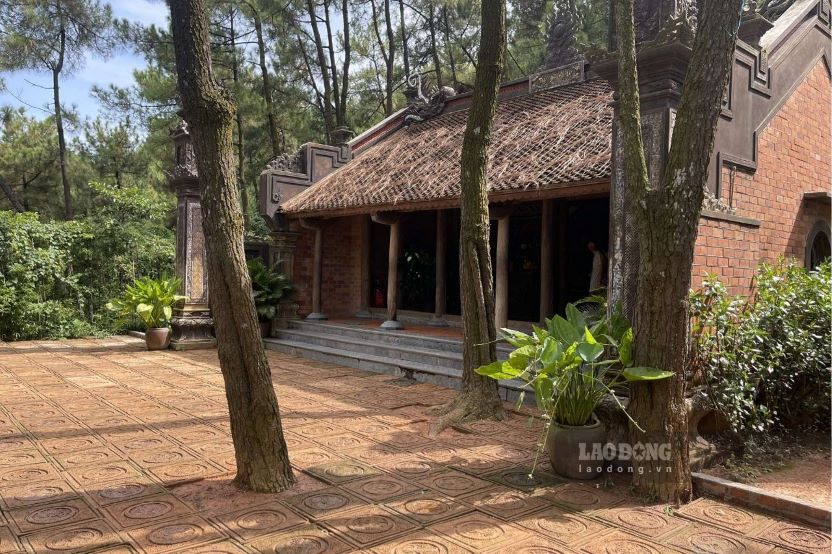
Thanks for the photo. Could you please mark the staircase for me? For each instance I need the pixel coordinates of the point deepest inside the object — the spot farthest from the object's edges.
(420, 357)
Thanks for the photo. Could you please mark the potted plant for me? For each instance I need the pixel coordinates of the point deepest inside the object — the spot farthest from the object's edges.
(269, 286)
(572, 364)
(152, 300)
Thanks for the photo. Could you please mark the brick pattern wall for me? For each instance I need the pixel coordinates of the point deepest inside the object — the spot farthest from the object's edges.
(793, 157)
(341, 272)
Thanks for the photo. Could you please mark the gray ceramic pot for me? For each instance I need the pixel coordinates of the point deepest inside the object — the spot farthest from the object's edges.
(157, 338)
(565, 445)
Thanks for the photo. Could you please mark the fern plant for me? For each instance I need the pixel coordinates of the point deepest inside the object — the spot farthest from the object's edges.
(269, 287)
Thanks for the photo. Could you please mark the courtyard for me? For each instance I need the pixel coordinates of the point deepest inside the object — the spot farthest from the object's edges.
(106, 447)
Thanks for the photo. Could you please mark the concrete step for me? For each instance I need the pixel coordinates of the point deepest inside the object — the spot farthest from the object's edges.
(422, 372)
(374, 347)
(368, 333)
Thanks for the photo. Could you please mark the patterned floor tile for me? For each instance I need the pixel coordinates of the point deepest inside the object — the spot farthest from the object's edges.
(651, 522)
(619, 542)
(799, 537)
(82, 537)
(265, 519)
(368, 525)
(8, 541)
(310, 539)
(59, 513)
(428, 507)
(560, 525)
(421, 543)
(504, 503)
(126, 489)
(380, 488)
(578, 496)
(144, 510)
(323, 502)
(174, 535)
(720, 514)
(89, 476)
(453, 483)
(478, 531)
(36, 493)
(342, 471)
(535, 545)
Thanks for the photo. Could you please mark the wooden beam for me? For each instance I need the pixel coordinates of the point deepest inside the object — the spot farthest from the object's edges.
(501, 288)
(440, 300)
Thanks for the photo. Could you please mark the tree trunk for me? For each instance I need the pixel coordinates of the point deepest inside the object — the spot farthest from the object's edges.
(235, 74)
(478, 398)
(389, 61)
(405, 48)
(260, 450)
(14, 200)
(267, 84)
(329, 124)
(69, 213)
(434, 49)
(661, 321)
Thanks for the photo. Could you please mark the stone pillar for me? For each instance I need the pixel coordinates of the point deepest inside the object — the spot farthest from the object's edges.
(282, 257)
(191, 323)
(440, 300)
(501, 286)
(546, 272)
(665, 29)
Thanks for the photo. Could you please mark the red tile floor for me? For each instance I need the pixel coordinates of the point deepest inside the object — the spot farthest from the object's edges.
(107, 448)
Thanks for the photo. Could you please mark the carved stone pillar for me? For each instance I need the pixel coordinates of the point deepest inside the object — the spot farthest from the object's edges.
(282, 257)
(192, 324)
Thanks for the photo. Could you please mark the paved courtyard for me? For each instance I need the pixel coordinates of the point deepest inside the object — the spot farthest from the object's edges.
(105, 447)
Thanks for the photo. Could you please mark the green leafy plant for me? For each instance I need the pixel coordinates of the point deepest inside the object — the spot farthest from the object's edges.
(765, 358)
(573, 362)
(269, 287)
(152, 300)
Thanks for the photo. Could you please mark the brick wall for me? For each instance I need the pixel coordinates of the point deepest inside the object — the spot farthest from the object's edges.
(341, 272)
(793, 157)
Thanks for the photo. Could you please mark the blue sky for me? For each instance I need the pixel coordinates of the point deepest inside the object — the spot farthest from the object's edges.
(75, 90)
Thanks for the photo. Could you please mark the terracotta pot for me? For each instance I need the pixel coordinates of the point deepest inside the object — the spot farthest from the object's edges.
(265, 328)
(157, 338)
(570, 448)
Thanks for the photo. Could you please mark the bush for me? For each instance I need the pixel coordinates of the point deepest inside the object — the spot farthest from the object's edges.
(56, 277)
(765, 359)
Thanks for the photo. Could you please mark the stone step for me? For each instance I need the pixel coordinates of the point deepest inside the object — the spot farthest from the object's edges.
(438, 375)
(427, 356)
(400, 338)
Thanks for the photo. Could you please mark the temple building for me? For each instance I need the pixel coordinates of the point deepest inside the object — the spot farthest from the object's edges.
(369, 227)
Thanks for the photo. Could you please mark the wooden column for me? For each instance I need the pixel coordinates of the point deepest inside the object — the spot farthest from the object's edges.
(563, 217)
(391, 220)
(440, 300)
(546, 260)
(364, 237)
(317, 267)
(501, 286)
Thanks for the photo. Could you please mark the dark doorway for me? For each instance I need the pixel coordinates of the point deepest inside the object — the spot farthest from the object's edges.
(578, 223)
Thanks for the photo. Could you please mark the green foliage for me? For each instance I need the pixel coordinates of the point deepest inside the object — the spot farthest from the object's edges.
(152, 300)
(269, 286)
(573, 363)
(765, 358)
(56, 277)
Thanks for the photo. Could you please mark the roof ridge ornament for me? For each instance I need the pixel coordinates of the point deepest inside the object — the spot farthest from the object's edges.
(562, 42)
(419, 107)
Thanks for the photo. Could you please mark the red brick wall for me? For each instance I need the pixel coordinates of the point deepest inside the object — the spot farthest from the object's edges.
(341, 272)
(793, 157)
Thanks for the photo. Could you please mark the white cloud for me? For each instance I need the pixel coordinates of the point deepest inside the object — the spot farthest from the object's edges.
(142, 11)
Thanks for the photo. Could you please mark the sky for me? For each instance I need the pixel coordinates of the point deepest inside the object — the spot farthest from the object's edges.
(75, 90)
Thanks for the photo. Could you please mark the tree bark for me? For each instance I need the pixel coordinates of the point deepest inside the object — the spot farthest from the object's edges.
(667, 225)
(69, 213)
(329, 123)
(405, 48)
(479, 398)
(434, 49)
(260, 450)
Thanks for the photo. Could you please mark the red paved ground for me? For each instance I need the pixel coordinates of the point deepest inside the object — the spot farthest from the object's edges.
(107, 448)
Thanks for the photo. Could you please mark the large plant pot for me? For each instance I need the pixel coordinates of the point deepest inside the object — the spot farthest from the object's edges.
(265, 328)
(570, 448)
(157, 338)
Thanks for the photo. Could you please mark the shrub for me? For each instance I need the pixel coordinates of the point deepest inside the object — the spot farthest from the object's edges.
(765, 358)
(56, 277)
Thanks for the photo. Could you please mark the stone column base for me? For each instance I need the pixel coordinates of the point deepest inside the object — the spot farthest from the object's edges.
(192, 331)
(391, 325)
